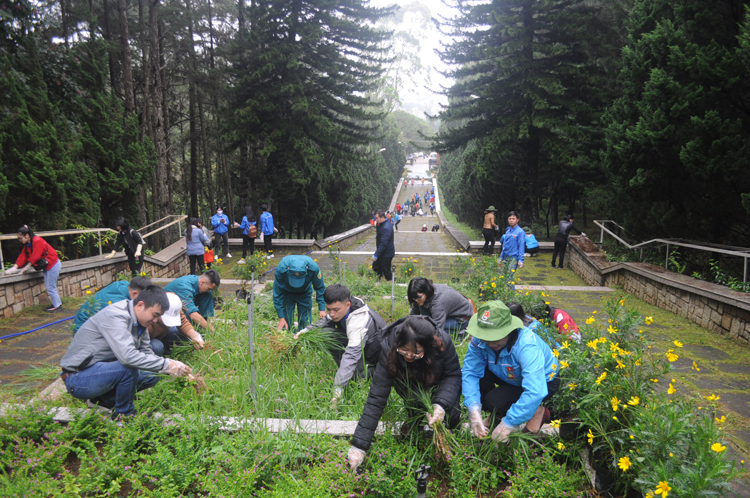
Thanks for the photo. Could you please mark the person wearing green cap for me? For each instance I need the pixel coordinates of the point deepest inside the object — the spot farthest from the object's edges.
(488, 230)
(294, 280)
(508, 371)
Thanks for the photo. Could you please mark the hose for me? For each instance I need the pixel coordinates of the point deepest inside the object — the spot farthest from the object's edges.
(34, 330)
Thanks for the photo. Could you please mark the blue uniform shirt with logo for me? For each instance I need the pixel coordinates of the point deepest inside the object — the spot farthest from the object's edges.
(514, 242)
(302, 269)
(528, 364)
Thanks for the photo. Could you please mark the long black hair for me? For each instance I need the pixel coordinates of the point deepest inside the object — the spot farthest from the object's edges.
(25, 230)
(249, 213)
(122, 223)
(189, 231)
(420, 285)
(415, 330)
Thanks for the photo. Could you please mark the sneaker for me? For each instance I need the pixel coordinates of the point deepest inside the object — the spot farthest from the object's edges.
(53, 309)
(241, 262)
(560, 268)
(269, 257)
(527, 255)
(229, 255)
(273, 256)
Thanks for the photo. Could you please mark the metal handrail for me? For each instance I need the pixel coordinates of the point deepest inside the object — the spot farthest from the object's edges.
(745, 254)
(98, 231)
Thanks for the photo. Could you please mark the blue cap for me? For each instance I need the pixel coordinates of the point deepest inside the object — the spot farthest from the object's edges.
(297, 272)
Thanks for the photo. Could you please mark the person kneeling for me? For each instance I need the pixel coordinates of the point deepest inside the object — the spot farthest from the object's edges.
(356, 330)
(416, 357)
(173, 327)
(110, 358)
(508, 371)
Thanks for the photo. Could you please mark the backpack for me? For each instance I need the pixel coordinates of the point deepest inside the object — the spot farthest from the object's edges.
(252, 232)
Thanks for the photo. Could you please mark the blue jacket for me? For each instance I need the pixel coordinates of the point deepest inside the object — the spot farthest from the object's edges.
(195, 246)
(513, 245)
(245, 225)
(218, 226)
(384, 241)
(114, 292)
(531, 241)
(529, 364)
(313, 279)
(192, 301)
(266, 223)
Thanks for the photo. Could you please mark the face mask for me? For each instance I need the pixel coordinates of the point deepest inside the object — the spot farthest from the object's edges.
(219, 212)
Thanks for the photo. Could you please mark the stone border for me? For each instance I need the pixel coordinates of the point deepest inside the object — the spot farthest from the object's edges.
(712, 306)
(459, 238)
(344, 237)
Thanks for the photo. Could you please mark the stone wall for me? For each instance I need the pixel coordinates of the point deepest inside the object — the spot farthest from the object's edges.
(712, 306)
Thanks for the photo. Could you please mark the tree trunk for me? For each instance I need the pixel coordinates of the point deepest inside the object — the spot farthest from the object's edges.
(161, 176)
(127, 70)
(192, 75)
(113, 72)
(206, 160)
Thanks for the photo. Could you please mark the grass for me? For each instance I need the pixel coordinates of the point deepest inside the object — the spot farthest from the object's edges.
(474, 232)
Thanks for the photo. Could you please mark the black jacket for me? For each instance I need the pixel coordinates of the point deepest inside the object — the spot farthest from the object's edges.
(129, 240)
(384, 247)
(565, 228)
(447, 382)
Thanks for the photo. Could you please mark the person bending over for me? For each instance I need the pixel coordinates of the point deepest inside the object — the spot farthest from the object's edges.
(110, 358)
(508, 371)
(449, 309)
(356, 329)
(416, 357)
(173, 327)
(196, 294)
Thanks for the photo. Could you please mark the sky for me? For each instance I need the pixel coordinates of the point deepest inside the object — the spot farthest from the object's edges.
(421, 100)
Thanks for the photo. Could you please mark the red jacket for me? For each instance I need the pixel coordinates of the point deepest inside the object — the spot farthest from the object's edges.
(40, 250)
(564, 322)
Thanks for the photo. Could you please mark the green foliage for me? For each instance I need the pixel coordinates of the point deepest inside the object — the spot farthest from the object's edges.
(543, 477)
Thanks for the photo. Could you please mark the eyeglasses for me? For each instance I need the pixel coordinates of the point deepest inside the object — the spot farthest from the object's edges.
(408, 354)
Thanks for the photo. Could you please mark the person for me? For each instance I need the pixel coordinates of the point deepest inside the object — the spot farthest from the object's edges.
(355, 328)
(449, 309)
(488, 230)
(196, 293)
(514, 241)
(413, 208)
(385, 249)
(564, 323)
(422, 181)
(132, 244)
(295, 278)
(412, 182)
(398, 208)
(424, 227)
(416, 357)
(561, 239)
(268, 229)
(432, 208)
(406, 182)
(220, 222)
(110, 358)
(114, 292)
(37, 254)
(173, 327)
(195, 242)
(420, 212)
(436, 227)
(532, 245)
(508, 371)
(249, 233)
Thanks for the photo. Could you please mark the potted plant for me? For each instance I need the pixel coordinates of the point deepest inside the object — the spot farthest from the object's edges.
(253, 269)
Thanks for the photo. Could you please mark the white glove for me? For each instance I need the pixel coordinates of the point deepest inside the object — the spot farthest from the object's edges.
(198, 342)
(11, 270)
(520, 265)
(438, 414)
(583, 234)
(503, 431)
(177, 369)
(355, 457)
(477, 424)
(138, 251)
(111, 255)
(337, 393)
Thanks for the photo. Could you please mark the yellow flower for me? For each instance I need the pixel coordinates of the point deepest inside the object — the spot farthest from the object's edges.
(601, 378)
(624, 463)
(634, 401)
(622, 302)
(695, 367)
(593, 344)
(713, 397)
(615, 403)
(493, 284)
(88, 292)
(551, 376)
(554, 367)
(663, 489)
(593, 312)
(560, 446)
(555, 424)
(591, 437)
(637, 362)
(556, 353)
(590, 320)
(632, 436)
(611, 330)
(654, 380)
(649, 320)
(721, 420)
(620, 364)
(671, 356)
(671, 389)
(614, 418)
(564, 364)
(572, 386)
(677, 343)
(565, 345)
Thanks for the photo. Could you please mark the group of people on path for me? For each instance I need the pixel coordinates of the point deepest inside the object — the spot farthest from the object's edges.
(519, 242)
(416, 205)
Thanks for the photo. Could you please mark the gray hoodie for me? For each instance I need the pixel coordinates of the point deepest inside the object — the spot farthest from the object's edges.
(112, 334)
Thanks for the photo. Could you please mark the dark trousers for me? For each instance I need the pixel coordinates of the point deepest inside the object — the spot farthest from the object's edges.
(247, 241)
(561, 243)
(498, 397)
(268, 244)
(489, 240)
(135, 264)
(382, 266)
(532, 251)
(196, 261)
(219, 238)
